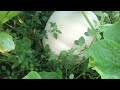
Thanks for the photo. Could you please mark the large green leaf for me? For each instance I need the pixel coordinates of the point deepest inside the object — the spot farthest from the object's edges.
(7, 15)
(112, 32)
(105, 60)
(6, 42)
(32, 75)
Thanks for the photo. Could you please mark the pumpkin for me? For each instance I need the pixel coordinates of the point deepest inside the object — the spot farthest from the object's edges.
(71, 25)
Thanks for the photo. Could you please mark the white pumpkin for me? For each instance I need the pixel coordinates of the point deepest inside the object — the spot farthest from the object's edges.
(73, 25)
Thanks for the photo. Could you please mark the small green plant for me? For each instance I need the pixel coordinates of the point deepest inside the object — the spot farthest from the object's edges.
(55, 30)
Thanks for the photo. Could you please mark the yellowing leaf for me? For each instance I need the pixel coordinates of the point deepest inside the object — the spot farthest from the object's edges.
(6, 42)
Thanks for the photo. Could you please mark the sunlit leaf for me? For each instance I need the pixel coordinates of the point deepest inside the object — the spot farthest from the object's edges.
(10, 15)
(32, 75)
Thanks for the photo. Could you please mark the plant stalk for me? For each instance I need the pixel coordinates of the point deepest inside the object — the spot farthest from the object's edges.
(87, 19)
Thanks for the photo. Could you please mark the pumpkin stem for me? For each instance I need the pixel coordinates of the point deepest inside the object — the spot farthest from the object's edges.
(87, 19)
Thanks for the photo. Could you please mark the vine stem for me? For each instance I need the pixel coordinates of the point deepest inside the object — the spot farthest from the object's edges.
(87, 19)
(89, 24)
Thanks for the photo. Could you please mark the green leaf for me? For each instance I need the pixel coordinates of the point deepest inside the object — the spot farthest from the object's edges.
(80, 42)
(55, 35)
(51, 75)
(6, 42)
(52, 57)
(44, 18)
(71, 57)
(71, 50)
(53, 30)
(52, 24)
(71, 76)
(32, 75)
(59, 31)
(104, 27)
(15, 65)
(91, 63)
(90, 32)
(10, 15)
(59, 73)
(112, 32)
(48, 75)
(3, 68)
(2, 15)
(106, 58)
(98, 36)
(46, 36)
(47, 48)
(63, 54)
(76, 42)
(7, 72)
(98, 13)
